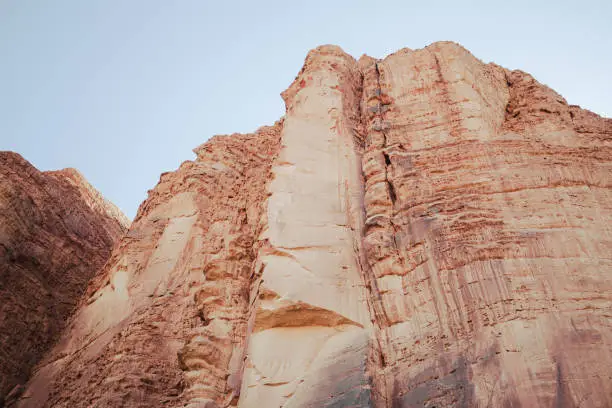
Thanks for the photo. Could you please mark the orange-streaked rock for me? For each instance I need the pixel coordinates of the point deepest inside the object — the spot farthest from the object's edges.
(164, 323)
(491, 243)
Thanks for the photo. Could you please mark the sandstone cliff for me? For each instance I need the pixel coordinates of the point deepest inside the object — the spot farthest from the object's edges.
(56, 232)
(424, 230)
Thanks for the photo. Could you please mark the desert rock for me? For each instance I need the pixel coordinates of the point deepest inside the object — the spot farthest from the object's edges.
(56, 232)
(424, 230)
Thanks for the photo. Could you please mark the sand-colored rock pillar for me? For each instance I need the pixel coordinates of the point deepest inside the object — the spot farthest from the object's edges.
(310, 330)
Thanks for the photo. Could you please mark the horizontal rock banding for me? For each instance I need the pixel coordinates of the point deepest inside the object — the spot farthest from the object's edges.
(421, 230)
(56, 232)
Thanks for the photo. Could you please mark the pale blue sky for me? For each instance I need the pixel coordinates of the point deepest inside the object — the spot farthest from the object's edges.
(124, 89)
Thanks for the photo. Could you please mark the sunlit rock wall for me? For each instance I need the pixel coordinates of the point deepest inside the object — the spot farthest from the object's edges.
(424, 230)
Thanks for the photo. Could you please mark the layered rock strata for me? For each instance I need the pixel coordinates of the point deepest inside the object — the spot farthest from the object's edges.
(166, 320)
(490, 243)
(424, 230)
(56, 232)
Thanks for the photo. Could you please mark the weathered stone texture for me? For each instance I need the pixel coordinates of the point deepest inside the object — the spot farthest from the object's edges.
(493, 261)
(424, 230)
(56, 231)
(165, 322)
(309, 338)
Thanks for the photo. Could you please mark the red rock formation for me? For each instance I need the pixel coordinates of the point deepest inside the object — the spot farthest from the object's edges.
(493, 261)
(56, 231)
(164, 323)
(424, 230)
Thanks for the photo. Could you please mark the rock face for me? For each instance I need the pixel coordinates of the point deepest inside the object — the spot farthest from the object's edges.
(424, 230)
(56, 232)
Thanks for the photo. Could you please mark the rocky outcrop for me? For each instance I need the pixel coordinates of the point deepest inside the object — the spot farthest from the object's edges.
(490, 245)
(424, 230)
(56, 232)
(165, 322)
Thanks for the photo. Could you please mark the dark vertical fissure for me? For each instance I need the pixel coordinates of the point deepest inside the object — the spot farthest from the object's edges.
(377, 141)
(383, 127)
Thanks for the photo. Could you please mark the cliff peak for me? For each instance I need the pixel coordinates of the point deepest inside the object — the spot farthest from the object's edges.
(419, 230)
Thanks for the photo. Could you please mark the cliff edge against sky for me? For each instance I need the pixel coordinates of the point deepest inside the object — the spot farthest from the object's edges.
(56, 232)
(424, 230)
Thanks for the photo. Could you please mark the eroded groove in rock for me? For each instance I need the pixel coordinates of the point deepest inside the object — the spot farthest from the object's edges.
(499, 199)
(377, 244)
(56, 231)
(213, 355)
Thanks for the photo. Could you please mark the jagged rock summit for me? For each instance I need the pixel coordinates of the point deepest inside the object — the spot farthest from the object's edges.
(424, 230)
(56, 232)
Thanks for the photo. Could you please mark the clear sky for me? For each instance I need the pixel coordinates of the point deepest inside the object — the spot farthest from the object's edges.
(124, 89)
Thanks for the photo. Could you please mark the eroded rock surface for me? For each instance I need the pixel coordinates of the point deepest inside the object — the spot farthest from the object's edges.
(491, 252)
(424, 230)
(165, 321)
(56, 232)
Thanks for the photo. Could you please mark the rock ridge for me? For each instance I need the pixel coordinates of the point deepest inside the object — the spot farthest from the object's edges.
(56, 231)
